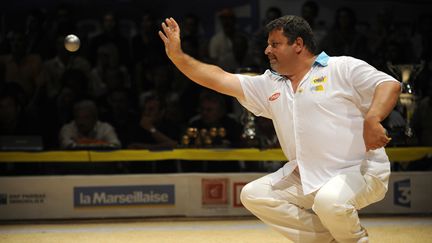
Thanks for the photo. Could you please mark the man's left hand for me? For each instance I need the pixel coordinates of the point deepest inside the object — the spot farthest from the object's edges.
(374, 134)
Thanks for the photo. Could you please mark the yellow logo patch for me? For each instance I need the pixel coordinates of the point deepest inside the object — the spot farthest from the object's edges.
(319, 88)
(319, 80)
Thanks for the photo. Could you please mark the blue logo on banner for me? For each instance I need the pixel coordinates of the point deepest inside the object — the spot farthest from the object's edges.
(3, 199)
(124, 195)
(402, 193)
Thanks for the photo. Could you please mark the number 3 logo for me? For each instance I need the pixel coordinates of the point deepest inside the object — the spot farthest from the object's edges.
(402, 193)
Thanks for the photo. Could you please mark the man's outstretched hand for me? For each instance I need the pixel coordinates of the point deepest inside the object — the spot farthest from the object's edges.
(171, 37)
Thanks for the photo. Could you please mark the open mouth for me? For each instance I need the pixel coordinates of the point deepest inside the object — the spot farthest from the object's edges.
(272, 59)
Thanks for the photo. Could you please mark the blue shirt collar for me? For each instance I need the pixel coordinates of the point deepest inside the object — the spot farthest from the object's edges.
(322, 59)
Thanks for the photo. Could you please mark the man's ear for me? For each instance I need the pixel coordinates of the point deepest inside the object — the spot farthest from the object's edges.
(299, 44)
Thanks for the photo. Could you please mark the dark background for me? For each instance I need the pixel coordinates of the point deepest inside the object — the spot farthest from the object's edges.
(12, 12)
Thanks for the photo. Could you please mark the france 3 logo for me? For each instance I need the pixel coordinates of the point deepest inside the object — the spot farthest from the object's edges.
(402, 193)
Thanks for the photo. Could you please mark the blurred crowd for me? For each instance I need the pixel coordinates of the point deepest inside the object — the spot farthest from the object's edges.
(119, 90)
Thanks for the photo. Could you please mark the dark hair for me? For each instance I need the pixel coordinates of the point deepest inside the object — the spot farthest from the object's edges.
(293, 27)
(86, 105)
(153, 95)
(212, 96)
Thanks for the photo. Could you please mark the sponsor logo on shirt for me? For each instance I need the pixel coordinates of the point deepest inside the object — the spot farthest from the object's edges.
(317, 88)
(318, 84)
(319, 80)
(274, 96)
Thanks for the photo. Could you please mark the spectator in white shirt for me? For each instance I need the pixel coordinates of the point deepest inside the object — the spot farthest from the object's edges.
(86, 131)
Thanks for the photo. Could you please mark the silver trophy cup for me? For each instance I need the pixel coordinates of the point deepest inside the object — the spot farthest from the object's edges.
(407, 99)
(247, 119)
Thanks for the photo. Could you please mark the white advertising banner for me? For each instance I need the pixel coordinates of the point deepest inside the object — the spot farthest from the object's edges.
(217, 194)
(200, 194)
(63, 197)
(52, 197)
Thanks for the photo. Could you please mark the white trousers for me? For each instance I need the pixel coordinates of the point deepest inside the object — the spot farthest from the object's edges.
(327, 215)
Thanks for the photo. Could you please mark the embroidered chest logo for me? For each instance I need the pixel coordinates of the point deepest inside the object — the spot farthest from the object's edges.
(319, 80)
(274, 96)
(318, 83)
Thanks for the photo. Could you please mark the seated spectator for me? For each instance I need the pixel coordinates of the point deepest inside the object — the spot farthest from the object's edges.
(58, 110)
(86, 131)
(118, 110)
(19, 65)
(212, 114)
(221, 41)
(13, 118)
(108, 73)
(154, 131)
(227, 133)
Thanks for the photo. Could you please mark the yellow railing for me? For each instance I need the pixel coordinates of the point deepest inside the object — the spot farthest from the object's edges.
(402, 154)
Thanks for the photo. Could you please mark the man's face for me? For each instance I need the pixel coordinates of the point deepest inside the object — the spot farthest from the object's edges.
(281, 55)
(152, 108)
(210, 111)
(109, 22)
(85, 121)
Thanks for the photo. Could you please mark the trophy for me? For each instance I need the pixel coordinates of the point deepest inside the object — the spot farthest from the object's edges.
(247, 119)
(407, 73)
(198, 138)
(249, 127)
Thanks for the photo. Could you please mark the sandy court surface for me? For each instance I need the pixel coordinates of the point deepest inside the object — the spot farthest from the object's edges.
(244, 230)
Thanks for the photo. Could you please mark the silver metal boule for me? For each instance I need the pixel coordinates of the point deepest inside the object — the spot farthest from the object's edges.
(72, 43)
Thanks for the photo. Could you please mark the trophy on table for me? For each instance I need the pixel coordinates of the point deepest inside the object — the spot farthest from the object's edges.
(247, 119)
(407, 74)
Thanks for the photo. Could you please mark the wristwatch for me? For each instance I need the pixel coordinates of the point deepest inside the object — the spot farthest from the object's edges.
(152, 130)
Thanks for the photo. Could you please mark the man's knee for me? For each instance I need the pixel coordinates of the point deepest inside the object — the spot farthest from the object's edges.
(247, 194)
(330, 205)
(253, 194)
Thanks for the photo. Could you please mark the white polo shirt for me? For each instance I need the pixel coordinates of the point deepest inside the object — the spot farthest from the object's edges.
(320, 127)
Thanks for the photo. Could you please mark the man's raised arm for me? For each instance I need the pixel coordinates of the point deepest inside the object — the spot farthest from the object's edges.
(207, 75)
